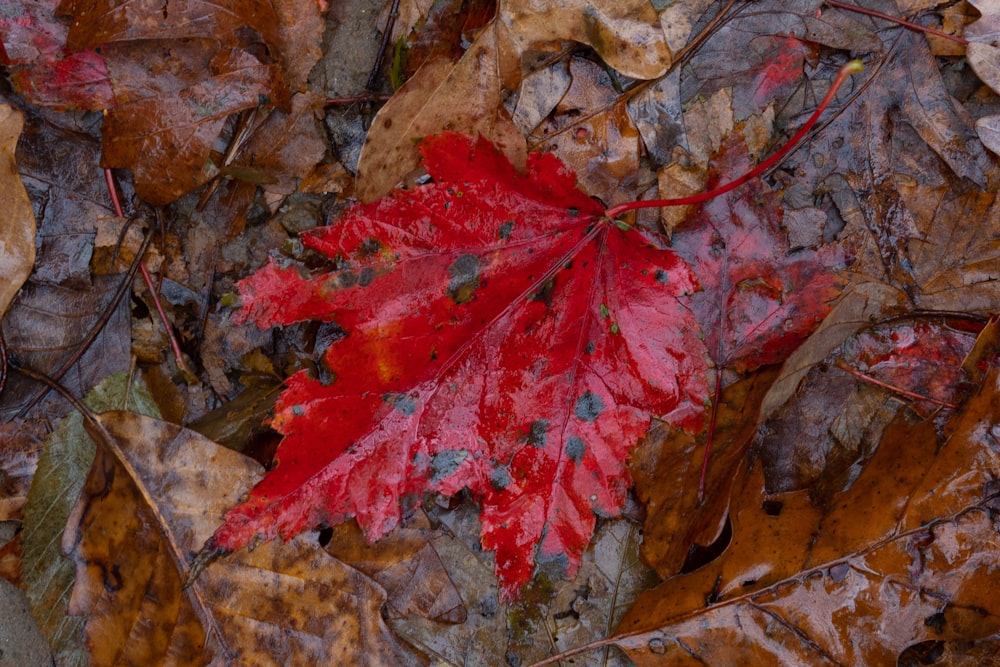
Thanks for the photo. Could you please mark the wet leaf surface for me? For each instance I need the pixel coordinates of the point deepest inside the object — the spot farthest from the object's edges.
(283, 603)
(62, 470)
(896, 174)
(906, 550)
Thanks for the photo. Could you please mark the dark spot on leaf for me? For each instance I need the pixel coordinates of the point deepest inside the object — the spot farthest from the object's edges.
(936, 622)
(370, 247)
(662, 276)
(575, 448)
(544, 292)
(366, 277)
(773, 507)
(444, 464)
(590, 348)
(506, 229)
(464, 281)
(298, 410)
(589, 406)
(112, 579)
(387, 124)
(347, 279)
(573, 211)
(405, 404)
(538, 433)
(500, 478)
(555, 566)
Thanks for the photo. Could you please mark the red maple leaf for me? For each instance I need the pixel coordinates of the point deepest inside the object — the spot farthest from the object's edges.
(503, 335)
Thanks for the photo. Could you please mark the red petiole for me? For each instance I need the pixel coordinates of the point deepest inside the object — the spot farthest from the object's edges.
(146, 278)
(846, 71)
(853, 67)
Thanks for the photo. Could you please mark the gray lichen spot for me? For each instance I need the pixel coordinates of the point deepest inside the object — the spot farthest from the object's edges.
(464, 281)
(500, 478)
(589, 406)
(366, 276)
(538, 433)
(405, 404)
(574, 448)
(444, 464)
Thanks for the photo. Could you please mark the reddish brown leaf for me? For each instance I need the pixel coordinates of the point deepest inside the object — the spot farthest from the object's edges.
(503, 336)
(45, 72)
(98, 22)
(758, 300)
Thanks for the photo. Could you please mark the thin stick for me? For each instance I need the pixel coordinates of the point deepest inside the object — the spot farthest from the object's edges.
(146, 278)
(95, 330)
(853, 67)
(844, 366)
(51, 383)
(710, 435)
(390, 23)
(894, 19)
(3, 361)
(339, 101)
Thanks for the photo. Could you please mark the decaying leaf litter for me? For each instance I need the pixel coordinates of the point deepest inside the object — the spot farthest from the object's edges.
(897, 178)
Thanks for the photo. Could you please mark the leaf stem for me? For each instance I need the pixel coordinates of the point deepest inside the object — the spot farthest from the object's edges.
(852, 67)
(146, 278)
(710, 435)
(864, 377)
(903, 22)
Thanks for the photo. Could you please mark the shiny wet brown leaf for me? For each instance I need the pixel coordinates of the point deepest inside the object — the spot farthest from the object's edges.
(627, 34)
(905, 556)
(154, 495)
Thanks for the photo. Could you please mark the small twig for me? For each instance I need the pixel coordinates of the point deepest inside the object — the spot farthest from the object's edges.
(844, 366)
(357, 99)
(895, 19)
(95, 330)
(3, 361)
(390, 23)
(174, 345)
(51, 383)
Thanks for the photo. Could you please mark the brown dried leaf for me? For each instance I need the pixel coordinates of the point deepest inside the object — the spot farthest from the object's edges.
(153, 496)
(821, 437)
(442, 96)
(594, 134)
(407, 566)
(626, 33)
(906, 555)
(99, 22)
(667, 467)
(22, 443)
(17, 225)
(166, 141)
